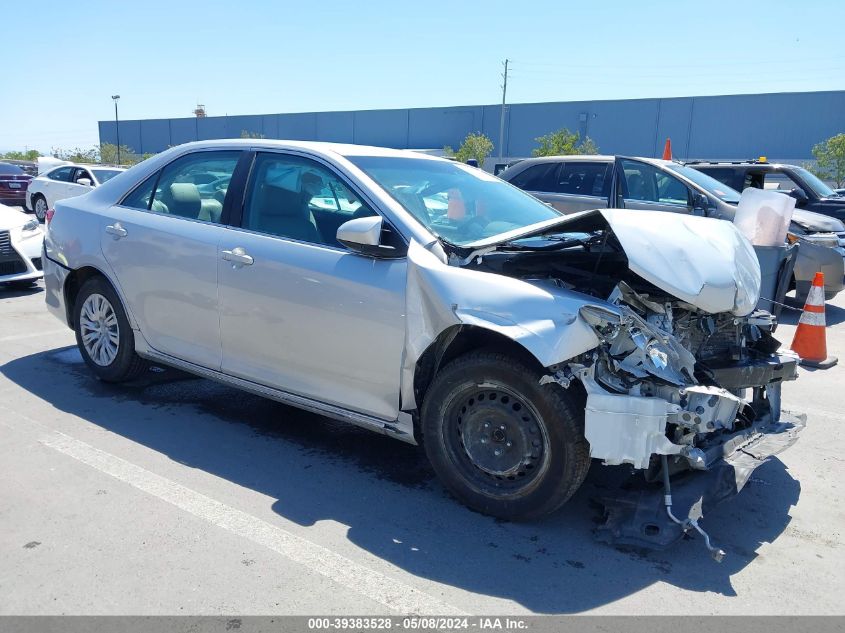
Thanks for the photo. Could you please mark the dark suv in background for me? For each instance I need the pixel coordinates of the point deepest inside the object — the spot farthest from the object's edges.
(809, 191)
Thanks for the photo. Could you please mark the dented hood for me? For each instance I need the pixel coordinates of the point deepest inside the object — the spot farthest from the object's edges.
(703, 261)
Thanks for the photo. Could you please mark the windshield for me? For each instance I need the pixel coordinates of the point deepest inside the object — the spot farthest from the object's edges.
(815, 184)
(458, 203)
(103, 175)
(710, 185)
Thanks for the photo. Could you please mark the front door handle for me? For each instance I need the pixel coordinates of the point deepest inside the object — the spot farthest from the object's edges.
(238, 256)
(116, 230)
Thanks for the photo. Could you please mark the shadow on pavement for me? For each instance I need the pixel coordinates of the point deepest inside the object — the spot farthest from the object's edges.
(834, 315)
(10, 291)
(384, 491)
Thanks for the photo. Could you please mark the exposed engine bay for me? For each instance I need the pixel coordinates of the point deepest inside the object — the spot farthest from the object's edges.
(672, 386)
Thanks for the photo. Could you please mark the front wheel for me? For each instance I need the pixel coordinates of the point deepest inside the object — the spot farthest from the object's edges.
(39, 206)
(103, 334)
(501, 442)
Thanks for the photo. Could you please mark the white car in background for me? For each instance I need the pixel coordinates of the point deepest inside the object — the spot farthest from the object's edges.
(66, 181)
(21, 239)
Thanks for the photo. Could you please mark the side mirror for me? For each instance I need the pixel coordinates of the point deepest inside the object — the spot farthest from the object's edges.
(84, 181)
(363, 236)
(800, 195)
(700, 204)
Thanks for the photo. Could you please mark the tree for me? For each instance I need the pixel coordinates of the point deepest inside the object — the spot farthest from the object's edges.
(77, 155)
(30, 155)
(448, 152)
(830, 159)
(476, 145)
(107, 154)
(564, 143)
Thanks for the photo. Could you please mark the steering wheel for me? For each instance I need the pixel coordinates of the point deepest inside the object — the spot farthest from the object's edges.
(474, 226)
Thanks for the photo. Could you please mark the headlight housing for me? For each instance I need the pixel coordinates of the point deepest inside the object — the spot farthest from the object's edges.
(31, 226)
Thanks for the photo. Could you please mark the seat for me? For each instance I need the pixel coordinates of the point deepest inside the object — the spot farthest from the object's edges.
(211, 210)
(183, 199)
(284, 213)
(636, 187)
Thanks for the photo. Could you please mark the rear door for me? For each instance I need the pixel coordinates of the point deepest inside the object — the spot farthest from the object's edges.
(162, 242)
(644, 186)
(54, 186)
(580, 185)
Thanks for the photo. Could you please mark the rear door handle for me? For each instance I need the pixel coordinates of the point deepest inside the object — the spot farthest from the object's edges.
(116, 230)
(238, 256)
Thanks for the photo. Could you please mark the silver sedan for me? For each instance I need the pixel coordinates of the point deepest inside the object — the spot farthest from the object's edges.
(433, 302)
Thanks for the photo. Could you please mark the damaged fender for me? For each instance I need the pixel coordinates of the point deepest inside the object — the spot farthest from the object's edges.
(539, 315)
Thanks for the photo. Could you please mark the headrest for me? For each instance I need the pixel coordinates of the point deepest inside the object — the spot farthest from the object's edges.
(184, 193)
(280, 201)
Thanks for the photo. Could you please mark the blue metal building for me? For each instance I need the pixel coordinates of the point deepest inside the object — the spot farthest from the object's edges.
(779, 125)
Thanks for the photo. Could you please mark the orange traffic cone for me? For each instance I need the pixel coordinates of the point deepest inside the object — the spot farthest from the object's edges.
(809, 342)
(667, 150)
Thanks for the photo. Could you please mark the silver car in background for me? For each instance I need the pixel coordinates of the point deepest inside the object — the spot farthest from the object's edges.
(576, 183)
(432, 302)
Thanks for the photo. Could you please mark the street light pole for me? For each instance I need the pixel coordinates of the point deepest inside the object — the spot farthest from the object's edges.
(116, 126)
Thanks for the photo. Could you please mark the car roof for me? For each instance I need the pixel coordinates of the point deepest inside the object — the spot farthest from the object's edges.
(737, 163)
(86, 166)
(573, 157)
(342, 149)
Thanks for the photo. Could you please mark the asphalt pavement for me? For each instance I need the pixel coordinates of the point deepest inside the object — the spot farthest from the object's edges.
(176, 495)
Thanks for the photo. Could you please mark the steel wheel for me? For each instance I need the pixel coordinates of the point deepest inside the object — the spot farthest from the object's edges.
(500, 441)
(99, 329)
(40, 208)
(497, 437)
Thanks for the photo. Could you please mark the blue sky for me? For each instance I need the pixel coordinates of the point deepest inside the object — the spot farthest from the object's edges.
(262, 56)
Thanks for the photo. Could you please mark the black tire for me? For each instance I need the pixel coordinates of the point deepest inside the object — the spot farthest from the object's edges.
(126, 364)
(40, 213)
(487, 401)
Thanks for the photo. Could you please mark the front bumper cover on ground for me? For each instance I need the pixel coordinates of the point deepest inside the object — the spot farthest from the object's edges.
(638, 517)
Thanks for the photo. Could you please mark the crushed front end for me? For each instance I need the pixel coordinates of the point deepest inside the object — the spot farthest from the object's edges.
(684, 384)
(689, 398)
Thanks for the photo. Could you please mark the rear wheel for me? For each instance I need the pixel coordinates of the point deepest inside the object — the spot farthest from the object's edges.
(103, 334)
(500, 441)
(39, 206)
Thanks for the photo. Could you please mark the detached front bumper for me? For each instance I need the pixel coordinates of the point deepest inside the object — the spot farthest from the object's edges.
(638, 517)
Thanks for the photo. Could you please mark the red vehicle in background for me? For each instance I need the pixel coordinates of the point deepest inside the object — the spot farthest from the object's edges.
(14, 182)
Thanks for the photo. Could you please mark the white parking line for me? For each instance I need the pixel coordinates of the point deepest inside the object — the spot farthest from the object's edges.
(373, 585)
(18, 337)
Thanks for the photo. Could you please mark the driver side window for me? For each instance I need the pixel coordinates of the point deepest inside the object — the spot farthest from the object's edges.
(647, 183)
(297, 198)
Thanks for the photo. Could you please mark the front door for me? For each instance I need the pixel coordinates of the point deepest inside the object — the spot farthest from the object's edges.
(162, 242)
(298, 311)
(643, 186)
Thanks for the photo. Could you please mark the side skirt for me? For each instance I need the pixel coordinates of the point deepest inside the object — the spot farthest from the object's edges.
(401, 429)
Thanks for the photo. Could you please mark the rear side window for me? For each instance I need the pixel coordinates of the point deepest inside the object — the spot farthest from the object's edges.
(584, 179)
(778, 181)
(62, 174)
(142, 195)
(193, 186)
(731, 177)
(537, 177)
